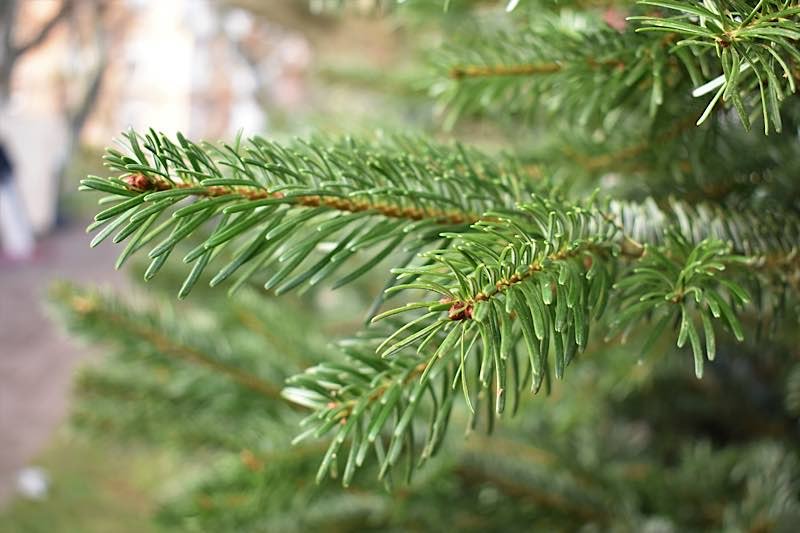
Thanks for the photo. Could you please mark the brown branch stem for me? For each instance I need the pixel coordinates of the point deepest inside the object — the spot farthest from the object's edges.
(142, 183)
(522, 69)
(462, 310)
(485, 71)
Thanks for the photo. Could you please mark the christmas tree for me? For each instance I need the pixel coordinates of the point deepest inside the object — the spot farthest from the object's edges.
(604, 306)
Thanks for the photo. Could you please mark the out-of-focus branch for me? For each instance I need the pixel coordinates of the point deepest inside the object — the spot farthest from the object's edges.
(76, 116)
(44, 31)
(9, 51)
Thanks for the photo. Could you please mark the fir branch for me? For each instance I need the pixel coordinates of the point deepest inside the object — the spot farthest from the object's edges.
(768, 239)
(265, 196)
(534, 68)
(104, 317)
(355, 401)
(714, 165)
(509, 283)
(747, 40)
(132, 401)
(660, 283)
(548, 279)
(743, 55)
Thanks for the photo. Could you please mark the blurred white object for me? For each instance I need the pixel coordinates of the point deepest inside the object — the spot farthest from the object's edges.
(32, 482)
(238, 23)
(16, 235)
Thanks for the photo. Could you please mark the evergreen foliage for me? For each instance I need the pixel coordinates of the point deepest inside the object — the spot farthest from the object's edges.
(607, 451)
(736, 51)
(642, 215)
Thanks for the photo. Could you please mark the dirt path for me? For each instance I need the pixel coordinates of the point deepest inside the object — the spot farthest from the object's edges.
(37, 360)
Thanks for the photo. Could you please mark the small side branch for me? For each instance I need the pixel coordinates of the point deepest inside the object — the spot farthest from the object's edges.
(480, 71)
(83, 306)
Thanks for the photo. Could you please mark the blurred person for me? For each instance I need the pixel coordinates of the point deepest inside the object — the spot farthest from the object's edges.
(16, 234)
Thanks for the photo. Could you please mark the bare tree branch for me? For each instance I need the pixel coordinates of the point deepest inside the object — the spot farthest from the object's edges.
(9, 52)
(45, 30)
(76, 116)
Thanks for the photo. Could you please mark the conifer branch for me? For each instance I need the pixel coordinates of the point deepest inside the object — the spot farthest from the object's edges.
(264, 196)
(747, 40)
(136, 402)
(741, 55)
(769, 240)
(488, 330)
(98, 315)
(518, 71)
(537, 272)
(509, 279)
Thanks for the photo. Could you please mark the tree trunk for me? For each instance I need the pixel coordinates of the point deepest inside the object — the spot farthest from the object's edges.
(76, 120)
(10, 52)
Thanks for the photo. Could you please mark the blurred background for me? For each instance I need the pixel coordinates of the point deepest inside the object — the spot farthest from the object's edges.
(74, 74)
(141, 418)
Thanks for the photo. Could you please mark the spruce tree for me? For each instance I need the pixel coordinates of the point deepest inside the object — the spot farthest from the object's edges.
(607, 308)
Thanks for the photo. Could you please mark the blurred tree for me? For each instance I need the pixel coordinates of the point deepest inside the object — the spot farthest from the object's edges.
(86, 21)
(76, 109)
(11, 50)
(639, 215)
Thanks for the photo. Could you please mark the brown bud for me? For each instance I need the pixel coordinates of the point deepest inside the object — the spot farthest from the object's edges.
(139, 181)
(460, 311)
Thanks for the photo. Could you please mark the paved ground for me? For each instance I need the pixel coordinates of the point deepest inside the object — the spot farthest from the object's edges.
(37, 360)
